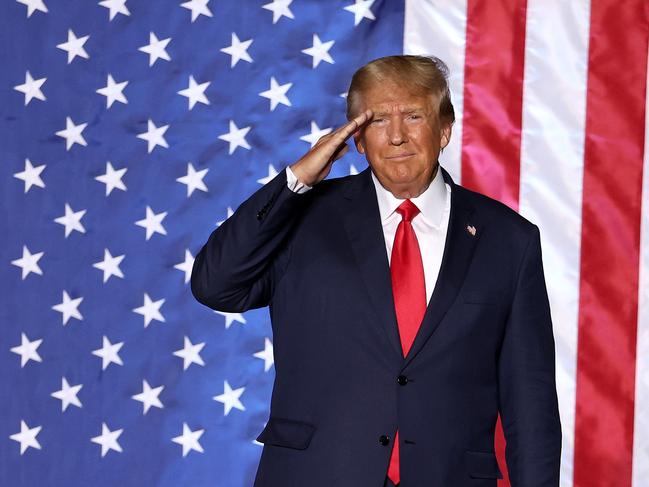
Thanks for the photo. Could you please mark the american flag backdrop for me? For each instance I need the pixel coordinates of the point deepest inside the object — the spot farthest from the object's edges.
(131, 129)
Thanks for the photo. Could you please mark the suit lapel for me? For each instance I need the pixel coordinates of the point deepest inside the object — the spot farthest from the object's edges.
(363, 224)
(458, 252)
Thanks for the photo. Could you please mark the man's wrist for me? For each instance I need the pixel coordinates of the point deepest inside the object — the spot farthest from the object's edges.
(293, 182)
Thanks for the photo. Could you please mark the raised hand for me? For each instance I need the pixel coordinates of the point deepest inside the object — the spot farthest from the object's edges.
(316, 164)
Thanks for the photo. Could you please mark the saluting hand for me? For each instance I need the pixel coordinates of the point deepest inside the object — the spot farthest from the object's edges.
(316, 164)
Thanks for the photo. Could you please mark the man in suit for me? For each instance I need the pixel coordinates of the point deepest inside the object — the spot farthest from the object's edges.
(407, 311)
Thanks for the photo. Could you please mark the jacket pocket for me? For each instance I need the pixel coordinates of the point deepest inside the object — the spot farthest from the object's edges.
(287, 432)
(482, 465)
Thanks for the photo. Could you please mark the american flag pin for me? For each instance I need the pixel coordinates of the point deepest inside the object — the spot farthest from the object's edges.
(471, 230)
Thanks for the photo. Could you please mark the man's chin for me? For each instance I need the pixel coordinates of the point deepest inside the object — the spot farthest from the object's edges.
(402, 187)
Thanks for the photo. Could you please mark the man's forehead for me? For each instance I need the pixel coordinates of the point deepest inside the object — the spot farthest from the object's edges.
(394, 98)
(395, 107)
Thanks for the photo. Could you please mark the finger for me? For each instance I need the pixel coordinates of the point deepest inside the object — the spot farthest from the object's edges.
(359, 121)
(344, 132)
(341, 151)
(354, 123)
(333, 141)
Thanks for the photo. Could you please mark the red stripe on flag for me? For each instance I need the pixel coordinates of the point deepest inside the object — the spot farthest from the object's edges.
(493, 98)
(612, 192)
(492, 112)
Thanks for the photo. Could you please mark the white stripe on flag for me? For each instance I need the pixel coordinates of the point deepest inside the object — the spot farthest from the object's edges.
(552, 162)
(438, 28)
(641, 427)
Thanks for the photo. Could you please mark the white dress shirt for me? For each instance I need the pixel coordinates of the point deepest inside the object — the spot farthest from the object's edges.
(430, 224)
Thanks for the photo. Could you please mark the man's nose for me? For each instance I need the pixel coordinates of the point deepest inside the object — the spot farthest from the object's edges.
(397, 132)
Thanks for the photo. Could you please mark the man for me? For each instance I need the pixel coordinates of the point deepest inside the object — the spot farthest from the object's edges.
(407, 311)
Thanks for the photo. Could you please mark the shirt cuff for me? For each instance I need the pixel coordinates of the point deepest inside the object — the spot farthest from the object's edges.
(294, 183)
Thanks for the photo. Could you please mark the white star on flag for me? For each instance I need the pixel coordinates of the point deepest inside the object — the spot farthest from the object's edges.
(198, 7)
(68, 394)
(152, 222)
(238, 50)
(229, 213)
(110, 265)
(74, 46)
(195, 92)
(27, 437)
(190, 353)
(150, 310)
(186, 266)
(31, 175)
(231, 317)
(109, 353)
(72, 133)
(69, 308)
(112, 178)
(316, 134)
(29, 262)
(108, 439)
(361, 10)
(149, 397)
(113, 91)
(115, 7)
(230, 398)
(277, 93)
(154, 136)
(272, 172)
(31, 88)
(189, 440)
(236, 137)
(71, 220)
(280, 8)
(27, 350)
(319, 51)
(156, 49)
(193, 179)
(266, 354)
(33, 5)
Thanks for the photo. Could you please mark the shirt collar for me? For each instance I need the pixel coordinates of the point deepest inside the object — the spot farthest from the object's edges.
(431, 203)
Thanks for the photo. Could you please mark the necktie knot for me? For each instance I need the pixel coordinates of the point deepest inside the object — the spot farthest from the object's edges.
(408, 210)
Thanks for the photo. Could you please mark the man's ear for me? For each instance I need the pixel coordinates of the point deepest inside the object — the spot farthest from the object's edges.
(359, 143)
(445, 135)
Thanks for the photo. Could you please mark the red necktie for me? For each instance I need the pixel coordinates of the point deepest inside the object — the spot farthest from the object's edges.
(409, 292)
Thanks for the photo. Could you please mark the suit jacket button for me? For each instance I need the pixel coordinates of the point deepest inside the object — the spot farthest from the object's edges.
(384, 440)
(402, 380)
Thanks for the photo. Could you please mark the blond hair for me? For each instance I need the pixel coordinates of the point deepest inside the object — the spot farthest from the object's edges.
(424, 75)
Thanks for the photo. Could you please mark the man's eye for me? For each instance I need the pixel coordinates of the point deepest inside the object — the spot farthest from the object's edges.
(414, 117)
(376, 120)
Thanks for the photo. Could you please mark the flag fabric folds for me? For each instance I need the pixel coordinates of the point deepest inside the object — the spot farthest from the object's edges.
(131, 130)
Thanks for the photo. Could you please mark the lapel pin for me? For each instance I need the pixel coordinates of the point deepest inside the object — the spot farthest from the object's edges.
(471, 230)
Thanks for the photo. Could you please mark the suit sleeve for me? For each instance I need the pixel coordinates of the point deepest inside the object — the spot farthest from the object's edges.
(238, 267)
(527, 388)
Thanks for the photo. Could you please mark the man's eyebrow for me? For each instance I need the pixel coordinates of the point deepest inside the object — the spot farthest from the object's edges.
(405, 110)
(412, 109)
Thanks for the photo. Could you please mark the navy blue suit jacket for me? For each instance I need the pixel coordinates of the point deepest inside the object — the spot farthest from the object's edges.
(342, 386)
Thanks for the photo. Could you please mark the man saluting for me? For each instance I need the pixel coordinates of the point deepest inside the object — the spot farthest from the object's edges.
(407, 311)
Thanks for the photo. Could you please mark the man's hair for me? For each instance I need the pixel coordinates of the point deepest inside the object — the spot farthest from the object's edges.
(423, 75)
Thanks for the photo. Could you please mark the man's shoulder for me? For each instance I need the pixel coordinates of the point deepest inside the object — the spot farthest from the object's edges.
(333, 186)
(336, 183)
(492, 212)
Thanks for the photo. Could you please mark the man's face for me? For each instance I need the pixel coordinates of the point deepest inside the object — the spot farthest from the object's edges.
(403, 139)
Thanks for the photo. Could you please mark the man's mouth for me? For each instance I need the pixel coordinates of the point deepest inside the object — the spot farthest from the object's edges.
(399, 156)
